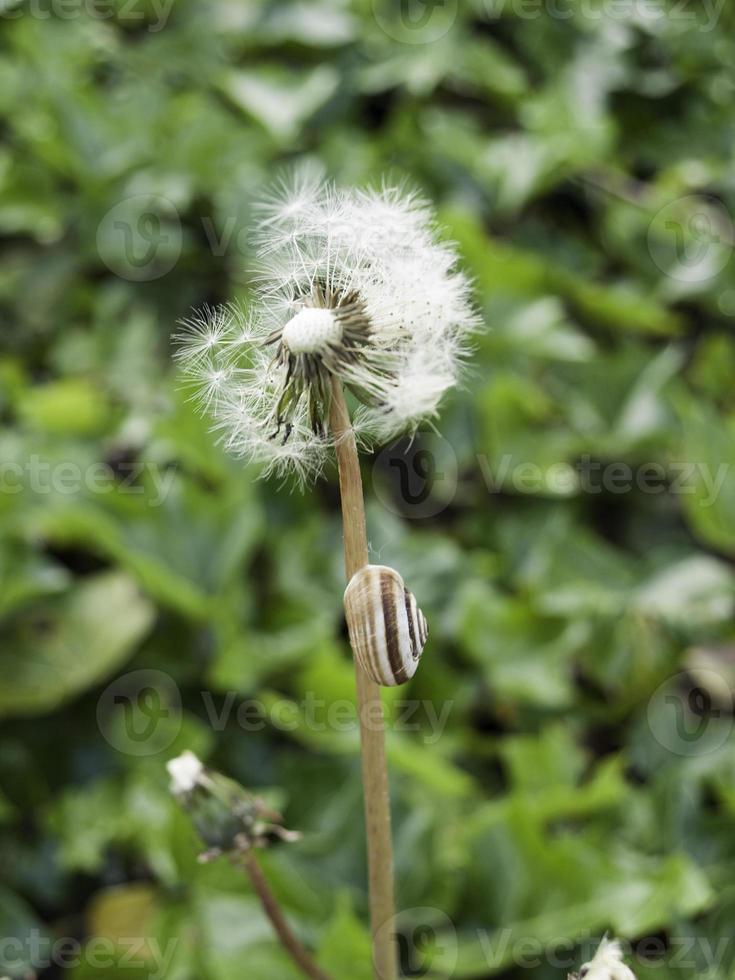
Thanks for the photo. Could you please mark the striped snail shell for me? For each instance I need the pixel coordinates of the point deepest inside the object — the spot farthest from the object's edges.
(387, 629)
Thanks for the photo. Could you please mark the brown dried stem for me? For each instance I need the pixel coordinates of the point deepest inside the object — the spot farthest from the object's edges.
(272, 909)
(370, 708)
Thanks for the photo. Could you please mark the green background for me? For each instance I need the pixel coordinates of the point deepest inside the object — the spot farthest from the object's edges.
(581, 654)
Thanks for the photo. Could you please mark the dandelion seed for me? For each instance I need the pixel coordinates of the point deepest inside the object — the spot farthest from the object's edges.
(204, 332)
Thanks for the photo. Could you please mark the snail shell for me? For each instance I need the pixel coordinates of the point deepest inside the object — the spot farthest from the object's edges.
(387, 629)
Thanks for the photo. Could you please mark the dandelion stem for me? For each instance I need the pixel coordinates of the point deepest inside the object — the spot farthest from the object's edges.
(272, 909)
(370, 709)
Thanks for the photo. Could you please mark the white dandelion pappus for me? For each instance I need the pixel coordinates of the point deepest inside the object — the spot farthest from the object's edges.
(606, 964)
(186, 772)
(352, 284)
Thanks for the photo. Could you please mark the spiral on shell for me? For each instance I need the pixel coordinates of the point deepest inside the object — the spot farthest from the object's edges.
(387, 629)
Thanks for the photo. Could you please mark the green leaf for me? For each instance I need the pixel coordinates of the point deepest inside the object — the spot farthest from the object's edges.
(579, 891)
(693, 592)
(506, 269)
(525, 658)
(24, 578)
(345, 948)
(59, 649)
(234, 931)
(22, 933)
(69, 407)
(282, 101)
(708, 454)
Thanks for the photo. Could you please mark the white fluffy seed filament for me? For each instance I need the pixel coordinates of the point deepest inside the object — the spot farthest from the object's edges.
(312, 331)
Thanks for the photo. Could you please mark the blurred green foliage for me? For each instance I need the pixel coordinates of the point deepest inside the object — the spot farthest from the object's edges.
(568, 764)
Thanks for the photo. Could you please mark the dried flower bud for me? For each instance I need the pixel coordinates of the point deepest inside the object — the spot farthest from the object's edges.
(227, 817)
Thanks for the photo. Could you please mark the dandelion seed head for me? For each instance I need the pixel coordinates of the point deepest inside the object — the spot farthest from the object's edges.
(351, 283)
